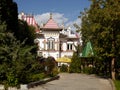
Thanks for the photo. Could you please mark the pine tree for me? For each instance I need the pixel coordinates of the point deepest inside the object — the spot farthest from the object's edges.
(75, 66)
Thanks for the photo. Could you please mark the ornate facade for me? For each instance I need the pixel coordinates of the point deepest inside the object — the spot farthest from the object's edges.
(55, 41)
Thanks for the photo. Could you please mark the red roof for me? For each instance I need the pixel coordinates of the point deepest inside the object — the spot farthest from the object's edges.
(30, 21)
(51, 24)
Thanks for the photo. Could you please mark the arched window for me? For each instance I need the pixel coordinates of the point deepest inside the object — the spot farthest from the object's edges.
(50, 43)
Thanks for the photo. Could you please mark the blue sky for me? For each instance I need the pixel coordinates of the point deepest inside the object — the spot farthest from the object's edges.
(68, 10)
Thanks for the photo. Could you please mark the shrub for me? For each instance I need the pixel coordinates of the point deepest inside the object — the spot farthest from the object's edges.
(64, 68)
(36, 77)
(54, 72)
(88, 70)
(50, 64)
(12, 80)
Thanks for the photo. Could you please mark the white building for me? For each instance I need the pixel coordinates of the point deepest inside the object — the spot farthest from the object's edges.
(55, 41)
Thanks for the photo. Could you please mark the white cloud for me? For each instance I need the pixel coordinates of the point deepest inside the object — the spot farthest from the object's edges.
(58, 17)
(71, 23)
(43, 18)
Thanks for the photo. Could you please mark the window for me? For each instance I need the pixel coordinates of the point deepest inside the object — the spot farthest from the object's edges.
(57, 55)
(44, 55)
(51, 43)
(39, 53)
(69, 46)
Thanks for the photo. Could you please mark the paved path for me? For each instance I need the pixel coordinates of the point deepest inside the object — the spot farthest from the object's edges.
(76, 82)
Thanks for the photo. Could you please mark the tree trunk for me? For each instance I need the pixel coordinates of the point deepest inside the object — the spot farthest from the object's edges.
(113, 68)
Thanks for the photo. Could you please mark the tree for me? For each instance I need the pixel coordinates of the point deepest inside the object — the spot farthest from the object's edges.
(17, 62)
(21, 30)
(100, 25)
(75, 66)
(9, 14)
(25, 31)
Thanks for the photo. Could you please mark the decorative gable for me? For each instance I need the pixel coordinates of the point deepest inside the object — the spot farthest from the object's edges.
(51, 24)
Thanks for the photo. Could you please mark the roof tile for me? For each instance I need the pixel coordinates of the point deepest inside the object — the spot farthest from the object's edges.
(51, 24)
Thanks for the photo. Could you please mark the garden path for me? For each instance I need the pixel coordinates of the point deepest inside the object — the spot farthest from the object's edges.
(76, 82)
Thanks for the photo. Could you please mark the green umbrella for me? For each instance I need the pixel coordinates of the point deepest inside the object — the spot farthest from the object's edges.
(88, 50)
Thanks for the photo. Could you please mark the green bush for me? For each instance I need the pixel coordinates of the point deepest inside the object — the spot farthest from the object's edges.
(54, 72)
(50, 64)
(12, 80)
(64, 68)
(37, 77)
(17, 54)
(17, 61)
(88, 70)
(75, 66)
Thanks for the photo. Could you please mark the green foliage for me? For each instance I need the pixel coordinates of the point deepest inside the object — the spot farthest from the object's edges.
(75, 66)
(55, 71)
(105, 25)
(36, 77)
(100, 25)
(16, 59)
(50, 66)
(117, 84)
(12, 80)
(88, 70)
(17, 52)
(25, 32)
(64, 68)
(9, 14)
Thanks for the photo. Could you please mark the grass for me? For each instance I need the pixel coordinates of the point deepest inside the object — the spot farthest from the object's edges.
(117, 84)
